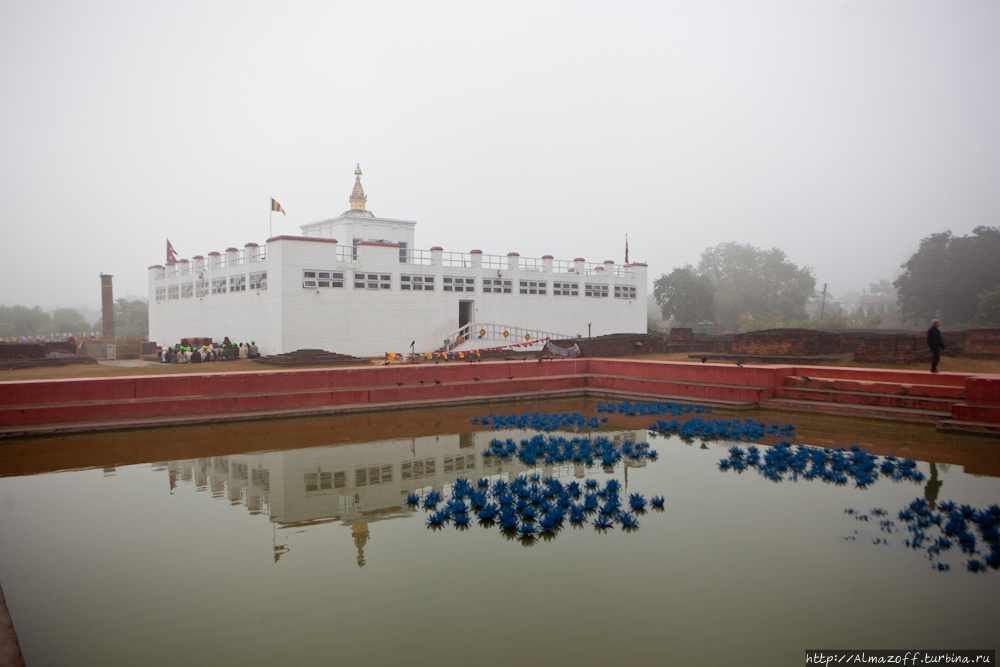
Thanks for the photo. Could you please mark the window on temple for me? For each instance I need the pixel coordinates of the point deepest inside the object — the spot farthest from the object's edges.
(456, 284)
(372, 281)
(596, 289)
(416, 283)
(497, 286)
(258, 281)
(315, 278)
(533, 286)
(238, 283)
(624, 292)
(565, 289)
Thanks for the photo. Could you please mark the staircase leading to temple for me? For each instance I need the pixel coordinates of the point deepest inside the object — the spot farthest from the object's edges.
(904, 395)
(490, 334)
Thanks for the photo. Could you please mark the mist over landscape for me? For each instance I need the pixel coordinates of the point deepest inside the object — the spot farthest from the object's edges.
(840, 133)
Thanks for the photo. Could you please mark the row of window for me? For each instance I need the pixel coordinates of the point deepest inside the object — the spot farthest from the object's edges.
(410, 282)
(315, 279)
(200, 288)
(382, 474)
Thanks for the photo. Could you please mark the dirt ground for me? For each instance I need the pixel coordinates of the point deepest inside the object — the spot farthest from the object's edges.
(126, 368)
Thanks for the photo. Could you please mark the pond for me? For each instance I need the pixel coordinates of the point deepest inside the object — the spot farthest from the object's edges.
(288, 542)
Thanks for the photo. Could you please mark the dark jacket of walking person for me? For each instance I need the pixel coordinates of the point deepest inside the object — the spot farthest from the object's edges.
(936, 343)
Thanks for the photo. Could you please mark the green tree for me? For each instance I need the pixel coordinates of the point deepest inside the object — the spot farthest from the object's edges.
(131, 318)
(760, 283)
(685, 296)
(988, 315)
(69, 320)
(24, 321)
(946, 275)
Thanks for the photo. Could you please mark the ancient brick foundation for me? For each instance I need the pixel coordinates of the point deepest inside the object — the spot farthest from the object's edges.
(883, 347)
(618, 345)
(786, 343)
(36, 350)
(982, 342)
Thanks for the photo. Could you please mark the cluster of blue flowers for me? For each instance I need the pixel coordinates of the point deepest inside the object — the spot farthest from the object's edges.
(530, 506)
(539, 421)
(973, 531)
(837, 465)
(729, 429)
(633, 409)
(554, 450)
(954, 525)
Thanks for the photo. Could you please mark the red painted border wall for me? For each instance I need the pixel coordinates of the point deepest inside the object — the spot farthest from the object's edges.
(161, 397)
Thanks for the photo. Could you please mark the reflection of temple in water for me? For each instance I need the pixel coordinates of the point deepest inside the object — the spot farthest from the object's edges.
(355, 484)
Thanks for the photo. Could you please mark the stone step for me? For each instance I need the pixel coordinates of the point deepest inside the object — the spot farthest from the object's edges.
(183, 406)
(855, 410)
(870, 387)
(966, 426)
(976, 412)
(693, 390)
(866, 398)
(55, 428)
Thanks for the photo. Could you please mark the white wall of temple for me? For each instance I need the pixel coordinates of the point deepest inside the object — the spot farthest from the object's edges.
(300, 310)
(243, 315)
(348, 227)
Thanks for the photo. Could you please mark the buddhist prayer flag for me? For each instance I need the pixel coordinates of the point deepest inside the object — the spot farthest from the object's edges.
(626, 248)
(171, 253)
(275, 206)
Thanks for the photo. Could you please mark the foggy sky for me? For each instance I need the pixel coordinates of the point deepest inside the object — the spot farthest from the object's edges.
(840, 132)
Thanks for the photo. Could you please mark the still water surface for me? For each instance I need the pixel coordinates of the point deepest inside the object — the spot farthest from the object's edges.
(290, 542)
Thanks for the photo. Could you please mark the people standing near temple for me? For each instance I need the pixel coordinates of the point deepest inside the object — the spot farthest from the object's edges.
(936, 343)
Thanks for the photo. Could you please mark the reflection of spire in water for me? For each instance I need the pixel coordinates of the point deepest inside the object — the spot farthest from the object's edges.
(279, 549)
(360, 531)
(933, 487)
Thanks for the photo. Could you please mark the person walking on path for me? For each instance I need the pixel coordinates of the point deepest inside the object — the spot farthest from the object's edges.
(936, 343)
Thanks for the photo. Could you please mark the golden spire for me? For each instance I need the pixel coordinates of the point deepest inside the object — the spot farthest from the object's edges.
(358, 197)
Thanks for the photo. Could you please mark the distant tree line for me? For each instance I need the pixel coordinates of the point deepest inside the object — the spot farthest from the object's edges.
(734, 284)
(741, 287)
(131, 319)
(953, 278)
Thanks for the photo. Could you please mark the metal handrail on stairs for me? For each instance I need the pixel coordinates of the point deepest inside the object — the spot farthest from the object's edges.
(508, 334)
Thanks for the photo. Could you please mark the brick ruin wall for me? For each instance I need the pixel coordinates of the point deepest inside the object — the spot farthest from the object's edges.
(9, 351)
(866, 346)
(981, 342)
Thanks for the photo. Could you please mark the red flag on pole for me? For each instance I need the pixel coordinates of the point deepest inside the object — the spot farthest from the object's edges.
(171, 253)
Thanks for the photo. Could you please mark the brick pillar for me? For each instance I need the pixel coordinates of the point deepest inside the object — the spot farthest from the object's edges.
(107, 306)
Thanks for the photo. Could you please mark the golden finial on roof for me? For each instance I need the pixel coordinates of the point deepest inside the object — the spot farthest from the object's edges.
(358, 197)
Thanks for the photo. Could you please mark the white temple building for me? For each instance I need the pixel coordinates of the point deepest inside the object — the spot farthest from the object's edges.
(356, 284)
